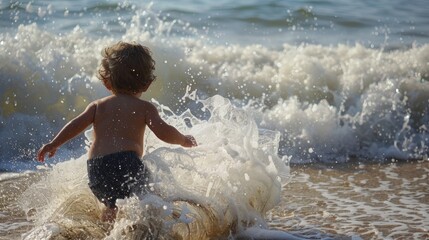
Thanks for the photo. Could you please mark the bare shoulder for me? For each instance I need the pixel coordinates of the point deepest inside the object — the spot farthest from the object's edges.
(103, 100)
(91, 106)
(147, 106)
(94, 104)
(125, 103)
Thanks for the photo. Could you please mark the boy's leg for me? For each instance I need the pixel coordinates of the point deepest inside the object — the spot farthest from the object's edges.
(109, 214)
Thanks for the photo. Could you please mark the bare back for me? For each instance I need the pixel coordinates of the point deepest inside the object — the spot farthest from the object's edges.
(119, 125)
(120, 120)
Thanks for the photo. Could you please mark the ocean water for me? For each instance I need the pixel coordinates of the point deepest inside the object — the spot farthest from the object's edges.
(311, 116)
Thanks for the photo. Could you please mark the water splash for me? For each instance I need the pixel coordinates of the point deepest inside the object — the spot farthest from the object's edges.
(222, 187)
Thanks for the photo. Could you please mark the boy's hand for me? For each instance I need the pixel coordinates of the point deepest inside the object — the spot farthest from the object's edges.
(47, 148)
(189, 141)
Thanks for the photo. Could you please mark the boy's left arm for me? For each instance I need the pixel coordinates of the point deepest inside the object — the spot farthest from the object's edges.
(69, 131)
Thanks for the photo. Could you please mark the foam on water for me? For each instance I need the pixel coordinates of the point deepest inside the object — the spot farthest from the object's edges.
(329, 103)
(221, 187)
(365, 201)
(306, 102)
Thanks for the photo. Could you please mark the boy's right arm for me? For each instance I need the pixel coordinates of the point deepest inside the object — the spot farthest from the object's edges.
(166, 132)
(69, 131)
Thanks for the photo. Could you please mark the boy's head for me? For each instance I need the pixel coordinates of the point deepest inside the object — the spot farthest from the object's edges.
(127, 68)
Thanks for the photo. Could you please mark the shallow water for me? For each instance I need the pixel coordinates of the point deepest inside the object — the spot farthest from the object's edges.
(357, 201)
(318, 83)
(372, 201)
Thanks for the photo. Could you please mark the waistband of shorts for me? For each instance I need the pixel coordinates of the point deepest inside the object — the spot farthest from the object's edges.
(119, 154)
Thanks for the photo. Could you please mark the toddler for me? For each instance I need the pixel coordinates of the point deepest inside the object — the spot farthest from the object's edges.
(115, 168)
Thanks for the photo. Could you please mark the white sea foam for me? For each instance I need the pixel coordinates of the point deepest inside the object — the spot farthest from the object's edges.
(316, 103)
(362, 202)
(339, 101)
(221, 187)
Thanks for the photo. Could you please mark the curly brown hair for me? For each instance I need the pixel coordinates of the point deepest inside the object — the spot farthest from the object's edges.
(127, 68)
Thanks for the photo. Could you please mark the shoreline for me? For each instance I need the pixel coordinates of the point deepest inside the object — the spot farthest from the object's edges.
(317, 201)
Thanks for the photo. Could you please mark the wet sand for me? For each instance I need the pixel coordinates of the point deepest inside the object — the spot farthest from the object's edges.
(367, 201)
(370, 201)
(13, 221)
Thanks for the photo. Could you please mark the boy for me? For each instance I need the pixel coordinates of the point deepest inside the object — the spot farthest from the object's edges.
(119, 121)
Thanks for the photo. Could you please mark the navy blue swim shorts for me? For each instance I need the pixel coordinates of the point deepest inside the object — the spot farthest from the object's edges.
(117, 176)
